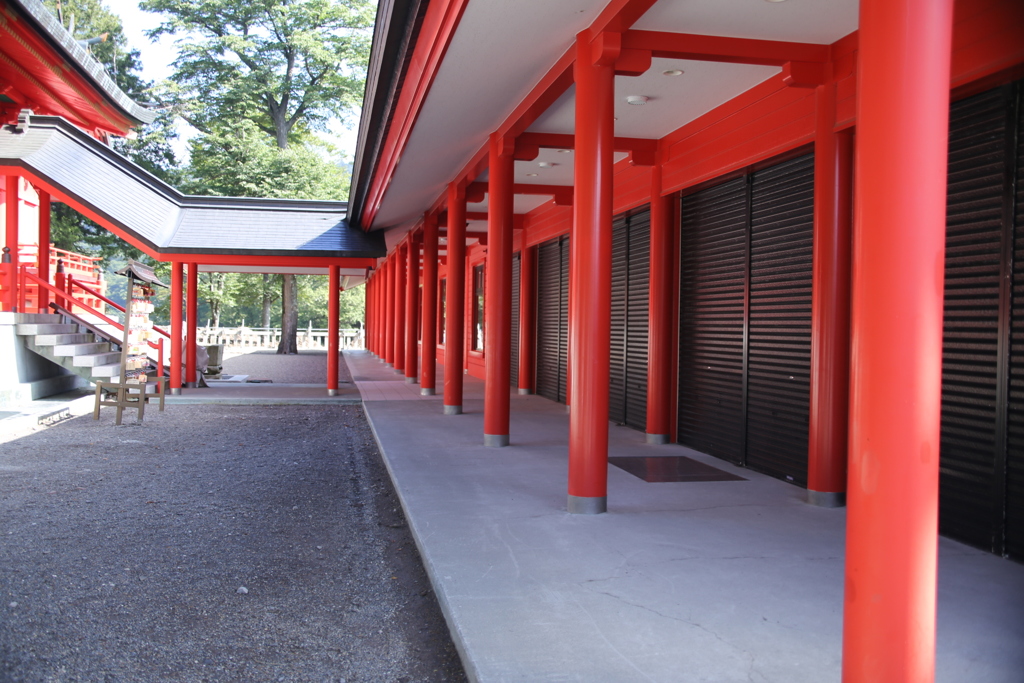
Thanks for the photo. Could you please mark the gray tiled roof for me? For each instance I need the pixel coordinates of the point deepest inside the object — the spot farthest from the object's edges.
(80, 57)
(168, 222)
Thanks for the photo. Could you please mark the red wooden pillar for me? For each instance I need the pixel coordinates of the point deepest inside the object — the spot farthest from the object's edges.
(177, 282)
(400, 302)
(527, 317)
(498, 292)
(191, 322)
(428, 369)
(12, 216)
(333, 291)
(830, 308)
(659, 341)
(896, 371)
(412, 287)
(389, 304)
(44, 248)
(590, 278)
(455, 306)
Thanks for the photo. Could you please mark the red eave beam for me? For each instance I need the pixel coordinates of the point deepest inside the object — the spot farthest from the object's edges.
(723, 49)
(528, 146)
(562, 193)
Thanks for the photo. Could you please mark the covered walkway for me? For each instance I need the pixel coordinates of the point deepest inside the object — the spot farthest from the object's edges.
(686, 581)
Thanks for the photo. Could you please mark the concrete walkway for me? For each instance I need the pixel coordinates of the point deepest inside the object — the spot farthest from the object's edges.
(700, 581)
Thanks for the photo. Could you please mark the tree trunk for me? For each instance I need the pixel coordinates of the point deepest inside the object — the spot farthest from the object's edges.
(289, 315)
(266, 300)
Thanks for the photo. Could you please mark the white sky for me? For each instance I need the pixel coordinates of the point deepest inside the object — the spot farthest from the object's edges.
(157, 59)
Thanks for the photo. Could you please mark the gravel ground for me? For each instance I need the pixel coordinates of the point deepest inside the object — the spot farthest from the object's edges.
(308, 367)
(268, 547)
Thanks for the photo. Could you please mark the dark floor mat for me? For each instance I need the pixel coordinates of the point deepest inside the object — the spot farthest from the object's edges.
(672, 468)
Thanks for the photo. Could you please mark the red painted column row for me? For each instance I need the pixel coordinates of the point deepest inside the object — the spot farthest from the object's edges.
(455, 305)
(412, 286)
(527, 318)
(498, 292)
(177, 300)
(896, 372)
(428, 363)
(333, 350)
(400, 270)
(191, 332)
(660, 351)
(44, 248)
(830, 307)
(12, 215)
(389, 305)
(590, 274)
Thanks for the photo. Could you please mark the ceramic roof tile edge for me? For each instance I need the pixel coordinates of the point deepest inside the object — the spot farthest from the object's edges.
(91, 69)
(396, 29)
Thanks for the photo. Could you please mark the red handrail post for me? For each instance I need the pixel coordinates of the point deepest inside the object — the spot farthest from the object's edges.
(13, 186)
(22, 287)
(43, 259)
(60, 283)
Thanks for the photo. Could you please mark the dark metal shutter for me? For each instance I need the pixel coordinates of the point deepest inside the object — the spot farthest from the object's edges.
(514, 352)
(713, 273)
(1014, 546)
(970, 349)
(637, 309)
(779, 342)
(620, 285)
(549, 275)
(563, 309)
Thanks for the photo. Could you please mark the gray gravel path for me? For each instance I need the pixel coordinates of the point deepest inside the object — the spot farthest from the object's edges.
(307, 367)
(211, 543)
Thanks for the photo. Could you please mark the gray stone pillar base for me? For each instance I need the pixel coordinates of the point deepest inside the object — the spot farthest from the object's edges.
(426, 392)
(825, 499)
(580, 505)
(524, 392)
(332, 392)
(176, 392)
(453, 410)
(657, 439)
(411, 380)
(191, 385)
(495, 440)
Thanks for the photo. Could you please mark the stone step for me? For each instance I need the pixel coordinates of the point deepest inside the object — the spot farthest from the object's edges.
(107, 371)
(92, 360)
(54, 339)
(45, 328)
(80, 349)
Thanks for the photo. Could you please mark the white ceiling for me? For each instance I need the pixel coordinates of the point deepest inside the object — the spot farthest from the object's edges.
(502, 49)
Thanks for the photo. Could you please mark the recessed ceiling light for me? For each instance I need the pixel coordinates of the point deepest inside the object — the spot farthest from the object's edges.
(547, 164)
(564, 151)
(775, 0)
(672, 72)
(531, 175)
(637, 100)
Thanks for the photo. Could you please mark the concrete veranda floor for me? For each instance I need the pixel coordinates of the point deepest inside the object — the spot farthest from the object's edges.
(708, 581)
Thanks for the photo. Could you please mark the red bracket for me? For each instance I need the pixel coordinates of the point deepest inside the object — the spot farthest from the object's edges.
(803, 74)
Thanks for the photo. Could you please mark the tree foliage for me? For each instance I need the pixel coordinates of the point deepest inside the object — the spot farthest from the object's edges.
(289, 66)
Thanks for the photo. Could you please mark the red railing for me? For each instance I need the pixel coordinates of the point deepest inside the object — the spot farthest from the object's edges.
(65, 300)
(86, 268)
(72, 283)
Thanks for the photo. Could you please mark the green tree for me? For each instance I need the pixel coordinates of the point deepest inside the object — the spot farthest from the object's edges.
(287, 67)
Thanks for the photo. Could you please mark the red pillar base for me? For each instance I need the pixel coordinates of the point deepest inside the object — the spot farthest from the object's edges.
(580, 505)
